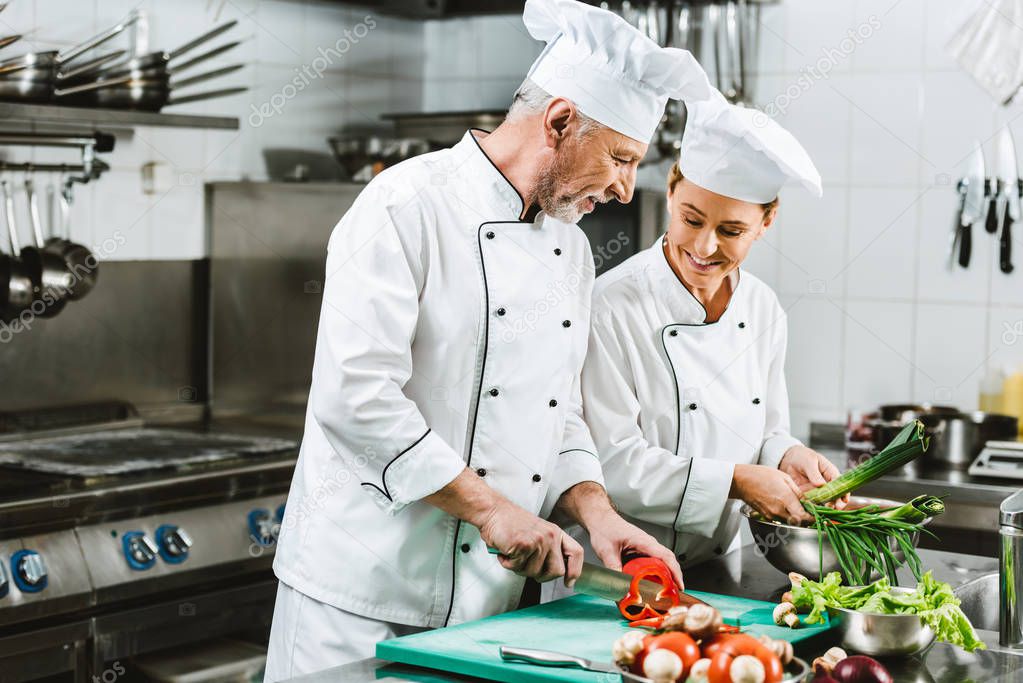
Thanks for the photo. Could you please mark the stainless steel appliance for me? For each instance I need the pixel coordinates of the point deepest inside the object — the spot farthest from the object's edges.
(118, 540)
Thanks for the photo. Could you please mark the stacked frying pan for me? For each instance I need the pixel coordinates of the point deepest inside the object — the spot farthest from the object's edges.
(32, 77)
(147, 82)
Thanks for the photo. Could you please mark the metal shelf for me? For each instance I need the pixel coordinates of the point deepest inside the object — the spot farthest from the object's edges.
(48, 113)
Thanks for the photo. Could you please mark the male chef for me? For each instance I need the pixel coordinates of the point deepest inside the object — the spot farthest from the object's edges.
(444, 413)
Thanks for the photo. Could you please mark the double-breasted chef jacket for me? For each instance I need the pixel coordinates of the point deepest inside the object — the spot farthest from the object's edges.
(675, 402)
(451, 334)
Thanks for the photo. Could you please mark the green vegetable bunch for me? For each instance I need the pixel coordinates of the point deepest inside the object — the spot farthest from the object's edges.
(933, 601)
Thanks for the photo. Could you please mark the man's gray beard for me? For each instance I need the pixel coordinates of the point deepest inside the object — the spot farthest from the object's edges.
(548, 180)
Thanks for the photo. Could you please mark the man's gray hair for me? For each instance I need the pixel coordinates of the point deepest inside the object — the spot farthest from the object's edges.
(531, 100)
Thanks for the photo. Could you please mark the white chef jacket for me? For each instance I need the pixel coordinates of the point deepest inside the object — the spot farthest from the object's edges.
(674, 402)
(451, 334)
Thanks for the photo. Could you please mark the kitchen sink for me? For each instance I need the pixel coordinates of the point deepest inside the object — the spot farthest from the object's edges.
(979, 598)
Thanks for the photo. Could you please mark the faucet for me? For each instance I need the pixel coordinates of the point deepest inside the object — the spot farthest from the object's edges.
(1010, 571)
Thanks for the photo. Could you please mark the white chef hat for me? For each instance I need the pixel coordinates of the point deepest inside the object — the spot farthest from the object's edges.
(742, 153)
(609, 69)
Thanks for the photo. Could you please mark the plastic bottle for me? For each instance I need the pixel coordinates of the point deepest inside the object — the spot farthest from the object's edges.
(991, 391)
(1012, 395)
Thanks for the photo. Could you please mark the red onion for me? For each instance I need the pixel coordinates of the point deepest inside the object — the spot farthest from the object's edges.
(861, 669)
(824, 679)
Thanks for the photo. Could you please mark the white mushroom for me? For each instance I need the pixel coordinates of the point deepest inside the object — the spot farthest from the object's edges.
(675, 619)
(698, 674)
(826, 663)
(747, 669)
(785, 615)
(702, 621)
(626, 648)
(663, 666)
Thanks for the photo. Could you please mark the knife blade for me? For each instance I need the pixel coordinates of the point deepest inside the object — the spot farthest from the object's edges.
(559, 659)
(601, 582)
(1007, 171)
(972, 211)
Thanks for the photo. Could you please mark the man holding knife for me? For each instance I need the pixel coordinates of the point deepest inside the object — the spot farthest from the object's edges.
(455, 426)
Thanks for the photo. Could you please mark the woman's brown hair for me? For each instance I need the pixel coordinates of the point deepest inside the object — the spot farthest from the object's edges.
(675, 177)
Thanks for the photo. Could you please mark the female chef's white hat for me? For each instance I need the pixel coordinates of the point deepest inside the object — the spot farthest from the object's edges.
(609, 69)
(742, 153)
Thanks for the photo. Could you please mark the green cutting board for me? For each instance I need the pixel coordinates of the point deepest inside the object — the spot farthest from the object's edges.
(579, 625)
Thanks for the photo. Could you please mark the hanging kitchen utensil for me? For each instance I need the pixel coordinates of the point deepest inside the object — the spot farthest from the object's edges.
(971, 208)
(683, 26)
(1007, 170)
(48, 272)
(21, 288)
(750, 36)
(78, 259)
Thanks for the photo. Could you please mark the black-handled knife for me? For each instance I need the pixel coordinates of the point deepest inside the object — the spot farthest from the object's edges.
(991, 224)
(965, 245)
(1005, 252)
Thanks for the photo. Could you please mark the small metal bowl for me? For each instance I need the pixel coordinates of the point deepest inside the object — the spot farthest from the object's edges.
(881, 635)
(796, 671)
(792, 548)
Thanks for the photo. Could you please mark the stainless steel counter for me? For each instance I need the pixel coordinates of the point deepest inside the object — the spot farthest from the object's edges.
(743, 573)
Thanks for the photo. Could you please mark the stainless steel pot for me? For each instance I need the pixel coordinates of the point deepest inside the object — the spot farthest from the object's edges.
(792, 548)
(881, 635)
(21, 289)
(958, 438)
(48, 271)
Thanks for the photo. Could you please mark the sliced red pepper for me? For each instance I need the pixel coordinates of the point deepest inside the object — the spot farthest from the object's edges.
(652, 622)
(632, 606)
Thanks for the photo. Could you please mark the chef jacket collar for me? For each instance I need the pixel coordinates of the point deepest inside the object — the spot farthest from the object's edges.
(685, 308)
(496, 191)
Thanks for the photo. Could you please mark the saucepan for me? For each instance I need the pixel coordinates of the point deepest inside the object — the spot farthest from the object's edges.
(79, 261)
(21, 289)
(51, 60)
(47, 270)
(125, 93)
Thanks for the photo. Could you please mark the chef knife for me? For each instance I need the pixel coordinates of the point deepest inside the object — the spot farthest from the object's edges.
(546, 658)
(972, 206)
(1008, 182)
(609, 584)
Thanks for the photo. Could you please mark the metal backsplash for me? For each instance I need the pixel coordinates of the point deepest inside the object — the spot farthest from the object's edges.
(139, 337)
(268, 246)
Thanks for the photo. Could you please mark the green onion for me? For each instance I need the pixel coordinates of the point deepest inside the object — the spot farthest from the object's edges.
(917, 510)
(909, 443)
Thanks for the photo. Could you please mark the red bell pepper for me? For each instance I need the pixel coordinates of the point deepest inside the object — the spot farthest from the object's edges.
(633, 607)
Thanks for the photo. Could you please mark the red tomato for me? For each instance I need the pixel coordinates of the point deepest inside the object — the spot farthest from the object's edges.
(681, 644)
(723, 648)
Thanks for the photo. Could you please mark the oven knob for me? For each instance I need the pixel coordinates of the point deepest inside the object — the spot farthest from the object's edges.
(263, 529)
(139, 550)
(29, 571)
(174, 543)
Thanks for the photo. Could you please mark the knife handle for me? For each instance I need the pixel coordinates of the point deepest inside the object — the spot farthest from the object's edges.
(1005, 257)
(965, 245)
(991, 224)
(540, 657)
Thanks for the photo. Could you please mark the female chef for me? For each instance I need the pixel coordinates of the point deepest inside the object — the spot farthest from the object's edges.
(683, 386)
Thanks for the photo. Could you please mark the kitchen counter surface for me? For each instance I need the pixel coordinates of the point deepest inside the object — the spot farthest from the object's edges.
(743, 572)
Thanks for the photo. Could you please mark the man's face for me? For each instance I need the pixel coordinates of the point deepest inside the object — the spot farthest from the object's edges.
(588, 169)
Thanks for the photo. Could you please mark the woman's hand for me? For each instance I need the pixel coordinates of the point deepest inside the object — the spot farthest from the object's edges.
(769, 491)
(809, 469)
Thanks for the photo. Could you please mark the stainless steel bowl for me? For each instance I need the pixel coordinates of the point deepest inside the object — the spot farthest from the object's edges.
(796, 671)
(796, 549)
(881, 635)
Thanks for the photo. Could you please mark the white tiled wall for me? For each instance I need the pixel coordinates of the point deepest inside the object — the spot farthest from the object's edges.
(378, 70)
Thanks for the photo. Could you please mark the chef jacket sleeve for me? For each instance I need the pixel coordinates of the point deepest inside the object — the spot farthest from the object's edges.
(777, 438)
(644, 481)
(375, 271)
(577, 460)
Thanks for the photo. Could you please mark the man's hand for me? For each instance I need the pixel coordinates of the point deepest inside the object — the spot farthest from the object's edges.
(530, 546)
(527, 545)
(610, 535)
(809, 469)
(771, 492)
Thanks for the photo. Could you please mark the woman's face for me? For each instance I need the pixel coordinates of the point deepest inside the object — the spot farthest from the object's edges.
(709, 234)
